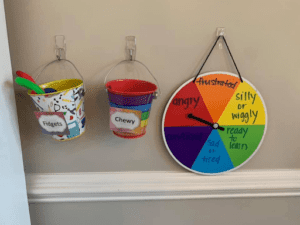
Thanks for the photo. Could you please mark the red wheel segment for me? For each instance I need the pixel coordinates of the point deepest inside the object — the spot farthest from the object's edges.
(187, 100)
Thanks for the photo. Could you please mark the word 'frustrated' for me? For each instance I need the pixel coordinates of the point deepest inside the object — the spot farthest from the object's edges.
(226, 83)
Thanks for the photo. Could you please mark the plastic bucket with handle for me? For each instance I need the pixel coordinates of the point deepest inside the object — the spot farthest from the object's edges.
(67, 99)
(130, 104)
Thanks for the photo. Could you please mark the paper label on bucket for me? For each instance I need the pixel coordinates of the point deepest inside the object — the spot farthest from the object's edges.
(125, 120)
(52, 123)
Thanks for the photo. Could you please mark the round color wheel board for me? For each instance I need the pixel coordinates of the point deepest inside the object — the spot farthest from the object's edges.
(214, 125)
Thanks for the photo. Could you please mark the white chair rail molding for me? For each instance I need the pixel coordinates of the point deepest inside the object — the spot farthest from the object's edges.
(161, 185)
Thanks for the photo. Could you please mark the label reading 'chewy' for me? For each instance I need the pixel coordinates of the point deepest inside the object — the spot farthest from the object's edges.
(125, 120)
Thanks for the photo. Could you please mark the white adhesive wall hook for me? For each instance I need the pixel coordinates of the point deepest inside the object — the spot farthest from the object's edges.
(60, 47)
(221, 32)
(131, 47)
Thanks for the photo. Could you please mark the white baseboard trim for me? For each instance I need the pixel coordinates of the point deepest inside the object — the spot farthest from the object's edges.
(88, 187)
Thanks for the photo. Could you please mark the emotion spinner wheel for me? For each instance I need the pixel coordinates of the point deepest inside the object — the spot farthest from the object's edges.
(214, 125)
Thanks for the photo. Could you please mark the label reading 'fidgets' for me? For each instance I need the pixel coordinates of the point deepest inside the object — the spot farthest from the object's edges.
(125, 120)
(52, 123)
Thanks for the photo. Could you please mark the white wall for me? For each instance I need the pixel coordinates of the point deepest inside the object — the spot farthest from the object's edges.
(13, 204)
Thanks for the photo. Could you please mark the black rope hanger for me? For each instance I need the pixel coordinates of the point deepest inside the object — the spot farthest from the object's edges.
(220, 36)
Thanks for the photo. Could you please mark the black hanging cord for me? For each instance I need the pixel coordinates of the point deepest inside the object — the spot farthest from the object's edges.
(232, 59)
(206, 59)
(210, 53)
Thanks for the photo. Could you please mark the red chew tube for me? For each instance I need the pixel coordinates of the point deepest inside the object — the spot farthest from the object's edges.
(25, 76)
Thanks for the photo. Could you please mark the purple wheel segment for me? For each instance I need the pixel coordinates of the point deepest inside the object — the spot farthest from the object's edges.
(185, 143)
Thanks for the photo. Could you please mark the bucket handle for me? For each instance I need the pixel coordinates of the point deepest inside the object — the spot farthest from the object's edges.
(156, 94)
(58, 60)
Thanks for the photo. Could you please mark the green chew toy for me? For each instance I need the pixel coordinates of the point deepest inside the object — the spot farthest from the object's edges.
(29, 85)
